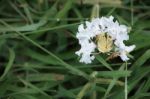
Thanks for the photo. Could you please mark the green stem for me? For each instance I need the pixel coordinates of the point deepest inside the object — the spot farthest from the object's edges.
(84, 89)
(107, 81)
(132, 14)
(126, 83)
(93, 96)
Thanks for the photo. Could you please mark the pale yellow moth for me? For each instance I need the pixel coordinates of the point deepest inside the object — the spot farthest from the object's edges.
(104, 43)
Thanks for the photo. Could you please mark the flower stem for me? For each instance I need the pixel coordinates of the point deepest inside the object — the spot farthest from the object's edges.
(126, 83)
(84, 89)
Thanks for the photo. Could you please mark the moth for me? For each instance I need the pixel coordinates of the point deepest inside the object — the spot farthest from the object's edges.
(104, 43)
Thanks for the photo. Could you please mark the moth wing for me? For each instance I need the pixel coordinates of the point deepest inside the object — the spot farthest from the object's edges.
(104, 43)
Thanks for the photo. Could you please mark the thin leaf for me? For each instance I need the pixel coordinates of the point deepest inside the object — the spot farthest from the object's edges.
(10, 63)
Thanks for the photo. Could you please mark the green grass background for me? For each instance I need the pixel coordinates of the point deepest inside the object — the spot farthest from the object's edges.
(38, 44)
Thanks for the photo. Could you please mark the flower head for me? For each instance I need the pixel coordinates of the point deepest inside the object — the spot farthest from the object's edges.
(102, 34)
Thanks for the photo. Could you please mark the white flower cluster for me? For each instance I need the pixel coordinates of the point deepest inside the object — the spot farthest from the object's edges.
(87, 33)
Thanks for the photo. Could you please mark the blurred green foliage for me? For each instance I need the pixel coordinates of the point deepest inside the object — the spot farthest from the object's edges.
(38, 44)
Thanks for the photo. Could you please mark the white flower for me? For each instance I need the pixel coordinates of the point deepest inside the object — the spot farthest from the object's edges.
(87, 46)
(97, 28)
(124, 51)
